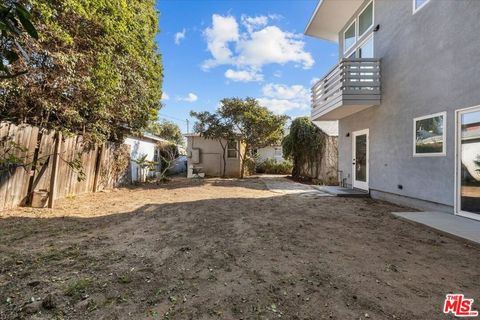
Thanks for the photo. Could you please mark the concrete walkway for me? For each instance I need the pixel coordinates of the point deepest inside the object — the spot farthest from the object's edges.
(280, 184)
(448, 223)
(343, 192)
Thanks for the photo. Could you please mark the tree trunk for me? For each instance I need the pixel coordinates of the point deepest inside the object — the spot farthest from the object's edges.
(296, 167)
(243, 158)
(224, 157)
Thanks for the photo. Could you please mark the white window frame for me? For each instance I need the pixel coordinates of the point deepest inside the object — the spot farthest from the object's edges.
(444, 136)
(345, 50)
(230, 149)
(360, 44)
(415, 9)
(358, 20)
(353, 48)
(458, 160)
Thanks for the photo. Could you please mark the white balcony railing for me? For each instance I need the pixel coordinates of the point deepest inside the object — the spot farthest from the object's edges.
(354, 83)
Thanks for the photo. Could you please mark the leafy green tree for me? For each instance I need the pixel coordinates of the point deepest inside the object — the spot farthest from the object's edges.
(303, 144)
(213, 126)
(14, 23)
(95, 69)
(256, 125)
(167, 130)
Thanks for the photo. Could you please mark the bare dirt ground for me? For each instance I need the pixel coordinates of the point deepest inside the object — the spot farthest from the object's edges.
(226, 249)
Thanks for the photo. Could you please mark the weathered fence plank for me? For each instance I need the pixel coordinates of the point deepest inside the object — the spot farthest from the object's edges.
(14, 185)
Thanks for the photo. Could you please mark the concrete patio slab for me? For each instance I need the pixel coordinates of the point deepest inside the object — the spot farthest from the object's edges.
(343, 192)
(448, 223)
(279, 184)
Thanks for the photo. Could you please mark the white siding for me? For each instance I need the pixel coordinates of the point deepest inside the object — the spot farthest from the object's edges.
(275, 153)
(138, 148)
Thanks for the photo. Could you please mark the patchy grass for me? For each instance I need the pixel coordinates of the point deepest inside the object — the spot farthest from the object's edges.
(78, 288)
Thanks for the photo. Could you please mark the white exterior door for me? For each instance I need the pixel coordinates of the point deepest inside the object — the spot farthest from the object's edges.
(360, 159)
(468, 163)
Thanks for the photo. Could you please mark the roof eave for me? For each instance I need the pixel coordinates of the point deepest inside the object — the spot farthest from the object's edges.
(329, 17)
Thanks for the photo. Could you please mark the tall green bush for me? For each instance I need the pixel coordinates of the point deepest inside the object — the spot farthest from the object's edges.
(95, 69)
(304, 144)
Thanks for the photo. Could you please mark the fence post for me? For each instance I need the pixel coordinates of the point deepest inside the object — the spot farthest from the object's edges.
(98, 163)
(53, 176)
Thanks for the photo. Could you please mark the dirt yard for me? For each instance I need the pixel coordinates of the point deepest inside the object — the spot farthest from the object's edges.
(226, 249)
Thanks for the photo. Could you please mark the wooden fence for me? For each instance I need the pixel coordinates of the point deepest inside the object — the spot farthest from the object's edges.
(45, 160)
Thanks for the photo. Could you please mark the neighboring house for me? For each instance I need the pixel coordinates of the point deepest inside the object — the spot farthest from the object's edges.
(406, 95)
(206, 155)
(147, 145)
(274, 153)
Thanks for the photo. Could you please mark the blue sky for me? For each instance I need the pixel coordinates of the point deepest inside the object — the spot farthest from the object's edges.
(217, 49)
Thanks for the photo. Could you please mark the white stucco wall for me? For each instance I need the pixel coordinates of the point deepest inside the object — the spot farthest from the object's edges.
(138, 148)
(269, 153)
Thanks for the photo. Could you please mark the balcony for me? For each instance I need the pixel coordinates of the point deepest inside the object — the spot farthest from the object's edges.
(351, 86)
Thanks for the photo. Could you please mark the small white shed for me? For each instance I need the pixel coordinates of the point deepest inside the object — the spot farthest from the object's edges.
(274, 153)
(144, 145)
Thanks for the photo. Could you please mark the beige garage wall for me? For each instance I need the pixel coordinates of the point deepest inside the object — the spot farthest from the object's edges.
(210, 158)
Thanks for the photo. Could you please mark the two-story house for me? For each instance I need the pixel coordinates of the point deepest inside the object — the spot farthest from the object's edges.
(406, 93)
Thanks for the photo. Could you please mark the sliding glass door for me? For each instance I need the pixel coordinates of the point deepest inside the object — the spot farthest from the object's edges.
(468, 163)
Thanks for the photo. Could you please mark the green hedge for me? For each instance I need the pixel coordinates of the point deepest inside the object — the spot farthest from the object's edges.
(270, 166)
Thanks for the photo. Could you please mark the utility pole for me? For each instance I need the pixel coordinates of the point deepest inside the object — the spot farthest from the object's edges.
(188, 127)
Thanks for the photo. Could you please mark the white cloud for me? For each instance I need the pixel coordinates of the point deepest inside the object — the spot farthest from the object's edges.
(280, 106)
(272, 45)
(165, 96)
(191, 97)
(252, 23)
(282, 91)
(314, 80)
(243, 75)
(223, 31)
(179, 36)
(280, 98)
(258, 45)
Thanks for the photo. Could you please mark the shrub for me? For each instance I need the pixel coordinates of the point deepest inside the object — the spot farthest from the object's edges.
(270, 166)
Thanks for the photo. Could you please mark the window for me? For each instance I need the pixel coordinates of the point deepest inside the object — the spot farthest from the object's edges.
(349, 37)
(365, 20)
(360, 28)
(232, 149)
(278, 153)
(429, 135)
(366, 49)
(419, 4)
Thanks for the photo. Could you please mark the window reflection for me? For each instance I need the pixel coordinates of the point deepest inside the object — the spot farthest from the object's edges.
(470, 155)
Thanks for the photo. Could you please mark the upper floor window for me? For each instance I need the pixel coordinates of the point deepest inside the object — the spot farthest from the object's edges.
(419, 4)
(232, 149)
(365, 20)
(349, 37)
(358, 30)
(365, 50)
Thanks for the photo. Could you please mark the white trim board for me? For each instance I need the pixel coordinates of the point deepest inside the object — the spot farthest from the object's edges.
(444, 136)
(360, 184)
(414, 6)
(457, 167)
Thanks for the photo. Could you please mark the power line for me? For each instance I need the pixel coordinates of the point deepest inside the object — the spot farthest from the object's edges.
(164, 116)
(170, 117)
